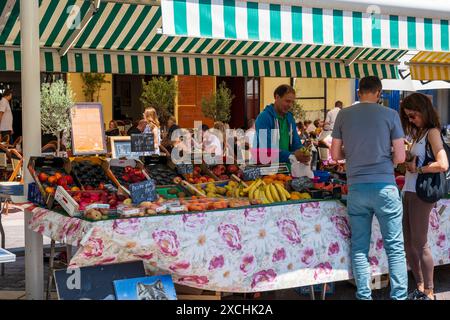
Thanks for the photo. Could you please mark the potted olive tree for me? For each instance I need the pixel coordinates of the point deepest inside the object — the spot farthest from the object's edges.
(160, 94)
(93, 83)
(56, 102)
(218, 105)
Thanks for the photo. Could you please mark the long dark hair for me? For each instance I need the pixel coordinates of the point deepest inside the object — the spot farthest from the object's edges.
(422, 104)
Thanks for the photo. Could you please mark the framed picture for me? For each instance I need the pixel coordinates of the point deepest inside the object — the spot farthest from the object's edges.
(120, 147)
(146, 288)
(94, 282)
(88, 132)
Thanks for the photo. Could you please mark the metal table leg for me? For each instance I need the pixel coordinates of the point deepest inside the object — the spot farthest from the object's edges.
(3, 238)
(324, 291)
(311, 292)
(50, 269)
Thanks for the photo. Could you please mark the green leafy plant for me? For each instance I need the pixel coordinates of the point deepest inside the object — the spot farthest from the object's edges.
(56, 102)
(160, 94)
(218, 105)
(93, 83)
(298, 112)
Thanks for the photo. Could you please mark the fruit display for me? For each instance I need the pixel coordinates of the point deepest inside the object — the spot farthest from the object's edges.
(196, 177)
(51, 178)
(211, 190)
(90, 175)
(330, 187)
(204, 204)
(128, 175)
(86, 198)
(97, 213)
(295, 195)
(302, 184)
(172, 192)
(161, 173)
(258, 192)
(224, 172)
(267, 192)
(279, 178)
(145, 208)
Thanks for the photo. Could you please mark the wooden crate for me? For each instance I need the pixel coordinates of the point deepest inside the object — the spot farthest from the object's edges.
(189, 293)
(62, 164)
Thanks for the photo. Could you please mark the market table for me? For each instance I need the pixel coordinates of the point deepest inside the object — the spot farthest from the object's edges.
(236, 250)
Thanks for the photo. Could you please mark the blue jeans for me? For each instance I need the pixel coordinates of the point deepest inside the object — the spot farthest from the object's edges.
(383, 200)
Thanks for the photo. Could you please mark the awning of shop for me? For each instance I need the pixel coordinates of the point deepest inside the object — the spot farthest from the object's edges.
(430, 66)
(274, 22)
(126, 37)
(166, 64)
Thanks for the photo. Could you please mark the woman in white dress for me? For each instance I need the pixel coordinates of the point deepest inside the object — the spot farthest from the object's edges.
(153, 126)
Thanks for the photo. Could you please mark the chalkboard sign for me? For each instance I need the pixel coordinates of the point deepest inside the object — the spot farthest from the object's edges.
(252, 173)
(185, 168)
(143, 143)
(94, 282)
(143, 191)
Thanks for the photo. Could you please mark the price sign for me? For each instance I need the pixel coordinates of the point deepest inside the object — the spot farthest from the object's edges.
(143, 143)
(252, 173)
(185, 168)
(143, 191)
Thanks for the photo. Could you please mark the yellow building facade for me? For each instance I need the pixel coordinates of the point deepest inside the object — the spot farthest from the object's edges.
(106, 93)
(311, 93)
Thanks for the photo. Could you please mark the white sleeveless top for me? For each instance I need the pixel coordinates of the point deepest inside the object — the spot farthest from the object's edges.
(157, 138)
(418, 149)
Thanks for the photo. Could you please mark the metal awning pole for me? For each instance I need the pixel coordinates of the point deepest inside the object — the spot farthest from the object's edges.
(31, 123)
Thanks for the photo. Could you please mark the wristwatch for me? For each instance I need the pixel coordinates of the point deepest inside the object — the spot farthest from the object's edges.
(420, 170)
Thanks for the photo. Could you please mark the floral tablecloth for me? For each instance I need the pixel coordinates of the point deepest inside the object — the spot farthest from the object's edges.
(242, 250)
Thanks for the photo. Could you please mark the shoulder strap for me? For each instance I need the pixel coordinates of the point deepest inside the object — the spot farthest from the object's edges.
(429, 155)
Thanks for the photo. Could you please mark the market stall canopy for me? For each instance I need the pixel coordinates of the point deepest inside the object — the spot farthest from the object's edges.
(405, 81)
(430, 66)
(413, 85)
(124, 37)
(279, 21)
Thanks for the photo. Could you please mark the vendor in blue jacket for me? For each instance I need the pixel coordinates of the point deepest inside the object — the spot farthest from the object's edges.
(280, 126)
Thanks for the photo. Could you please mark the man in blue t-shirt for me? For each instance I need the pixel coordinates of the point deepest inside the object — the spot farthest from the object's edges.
(364, 135)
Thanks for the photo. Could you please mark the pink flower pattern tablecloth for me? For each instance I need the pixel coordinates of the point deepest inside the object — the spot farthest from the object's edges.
(241, 250)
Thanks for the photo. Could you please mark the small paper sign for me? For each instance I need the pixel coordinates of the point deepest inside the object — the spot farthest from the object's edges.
(143, 143)
(143, 191)
(185, 168)
(252, 173)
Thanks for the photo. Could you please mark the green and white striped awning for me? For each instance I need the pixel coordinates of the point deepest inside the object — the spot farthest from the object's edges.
(126, 63)
(263, 21)
(131, 32)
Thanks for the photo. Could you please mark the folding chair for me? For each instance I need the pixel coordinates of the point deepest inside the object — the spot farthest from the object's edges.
(16, 162)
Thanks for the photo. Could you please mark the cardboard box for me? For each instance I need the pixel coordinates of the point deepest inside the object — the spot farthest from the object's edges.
(127, 163)
(67, 202)
(103, 163)
(46, 163)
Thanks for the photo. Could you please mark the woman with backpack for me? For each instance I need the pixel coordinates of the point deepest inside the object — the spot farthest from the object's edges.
(428, 155)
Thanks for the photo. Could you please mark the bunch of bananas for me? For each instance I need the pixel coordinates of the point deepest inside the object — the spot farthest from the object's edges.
(239, 192)
(267, 193)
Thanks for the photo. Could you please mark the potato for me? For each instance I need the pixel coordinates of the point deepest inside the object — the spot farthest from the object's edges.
(146, 204)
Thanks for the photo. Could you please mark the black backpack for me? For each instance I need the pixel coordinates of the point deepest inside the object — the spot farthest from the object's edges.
(431, 187)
